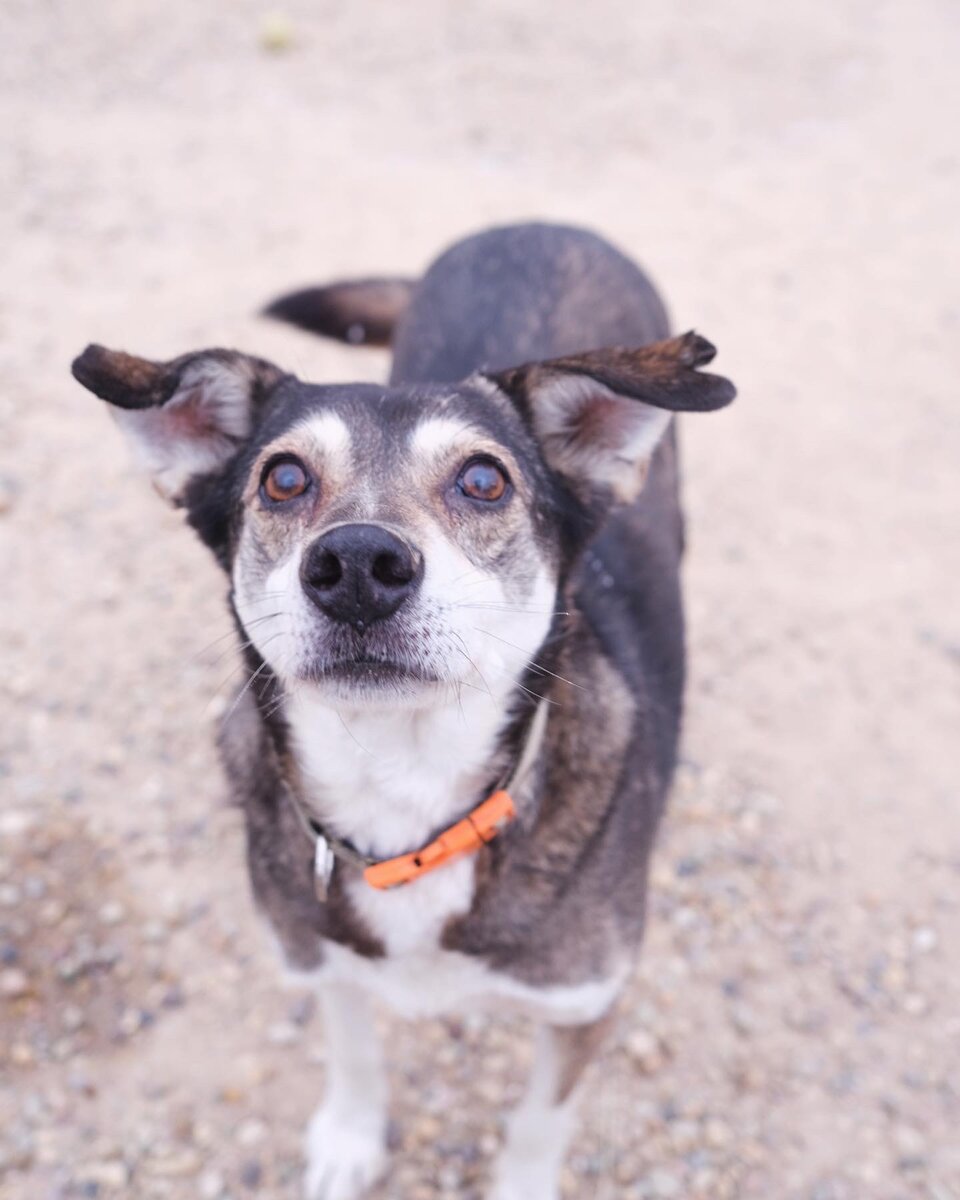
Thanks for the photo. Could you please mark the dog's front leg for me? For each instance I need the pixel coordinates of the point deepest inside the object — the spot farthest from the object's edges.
(539, 1128)
(346, 1139)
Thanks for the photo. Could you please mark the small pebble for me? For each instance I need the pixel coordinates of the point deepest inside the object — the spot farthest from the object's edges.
(283, 1033)
(112, 913)
(924, 940)
(251, 1174)
(22, 1055)
(277, 33)
(716, 1133)
(131, 1021)
(743, 1019)
(110, 1175)
(250, 1132)
(14, 983)
(211, 1185)
(663, 1185)
(8, 494)
(175, 1165)
(909, 1141)
(15, 822)
(645, 1050)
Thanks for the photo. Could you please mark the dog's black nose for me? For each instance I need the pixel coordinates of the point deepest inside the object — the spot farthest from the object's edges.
(359, 574)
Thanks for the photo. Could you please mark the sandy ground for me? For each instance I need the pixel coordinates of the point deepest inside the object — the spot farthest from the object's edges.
(789, 174)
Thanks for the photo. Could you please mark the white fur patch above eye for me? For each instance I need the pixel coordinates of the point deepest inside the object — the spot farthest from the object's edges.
(328, 434)
(433, 437)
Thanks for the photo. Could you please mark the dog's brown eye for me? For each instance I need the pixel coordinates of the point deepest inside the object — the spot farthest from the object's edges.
(285, 481)
(482, 479)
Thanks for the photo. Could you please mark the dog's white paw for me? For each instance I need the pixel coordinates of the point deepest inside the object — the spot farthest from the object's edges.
(517, 1180)
(344, 1157)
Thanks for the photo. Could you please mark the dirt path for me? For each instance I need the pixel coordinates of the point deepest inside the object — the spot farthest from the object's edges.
(790, 175)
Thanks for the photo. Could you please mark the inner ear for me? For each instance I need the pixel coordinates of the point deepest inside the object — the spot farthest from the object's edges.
(599, 415)
(185, 417)
(597, 437)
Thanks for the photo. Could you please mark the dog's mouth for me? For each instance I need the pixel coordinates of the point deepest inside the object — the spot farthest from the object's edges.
(366, 670)
(386, 662)
(384, 658)
(359, 668)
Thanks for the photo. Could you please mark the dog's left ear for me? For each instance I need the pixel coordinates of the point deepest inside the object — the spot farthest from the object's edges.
(599, 416)
(184, 418)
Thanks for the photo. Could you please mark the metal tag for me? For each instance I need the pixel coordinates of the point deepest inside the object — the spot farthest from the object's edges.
(323, 864)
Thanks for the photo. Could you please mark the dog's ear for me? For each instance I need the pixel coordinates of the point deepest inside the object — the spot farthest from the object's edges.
(599, 416)
(185, 417)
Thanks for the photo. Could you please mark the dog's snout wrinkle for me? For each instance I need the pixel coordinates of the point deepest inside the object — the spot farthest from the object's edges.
(358, 574)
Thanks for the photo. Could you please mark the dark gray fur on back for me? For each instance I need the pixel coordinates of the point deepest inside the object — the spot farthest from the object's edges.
(519, 294)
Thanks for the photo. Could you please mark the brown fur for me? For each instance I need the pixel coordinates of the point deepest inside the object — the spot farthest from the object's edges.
(132, 382)
(663, 374)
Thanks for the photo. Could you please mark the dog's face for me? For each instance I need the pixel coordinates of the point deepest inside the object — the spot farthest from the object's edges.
(389, 546)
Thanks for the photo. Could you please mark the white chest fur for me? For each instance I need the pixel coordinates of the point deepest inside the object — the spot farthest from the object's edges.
(386, 781)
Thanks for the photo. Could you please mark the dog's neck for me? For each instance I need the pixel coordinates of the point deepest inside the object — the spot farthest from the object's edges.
(386, 780)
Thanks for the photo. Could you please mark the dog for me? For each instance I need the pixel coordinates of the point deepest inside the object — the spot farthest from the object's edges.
(458, 599)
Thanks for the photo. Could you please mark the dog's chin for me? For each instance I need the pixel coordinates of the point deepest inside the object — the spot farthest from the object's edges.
(373, 683)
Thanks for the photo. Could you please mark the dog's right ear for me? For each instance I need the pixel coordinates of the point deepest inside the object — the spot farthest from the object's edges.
(184, 418)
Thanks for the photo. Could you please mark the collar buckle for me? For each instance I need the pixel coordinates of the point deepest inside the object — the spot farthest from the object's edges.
(324, 861)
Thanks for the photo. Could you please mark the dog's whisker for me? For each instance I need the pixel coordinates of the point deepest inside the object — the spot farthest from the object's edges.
(241, 646)
(464, 683)
(350, 734)
(469, 571)
(284, 691)
(458, 691)
(242, 665)
(503, 673)
(480, 581)
(232, 630)
(536, 696)
(238, 649)
(462, 650)
(492, 606)
(243, 691)
(531, 662)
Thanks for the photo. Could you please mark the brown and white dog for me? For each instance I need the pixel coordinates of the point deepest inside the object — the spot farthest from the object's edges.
(458, 598)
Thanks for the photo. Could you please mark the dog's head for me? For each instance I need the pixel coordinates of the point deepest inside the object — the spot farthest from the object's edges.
(389, 545)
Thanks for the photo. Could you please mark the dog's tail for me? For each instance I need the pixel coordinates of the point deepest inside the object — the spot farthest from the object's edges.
(362, 311)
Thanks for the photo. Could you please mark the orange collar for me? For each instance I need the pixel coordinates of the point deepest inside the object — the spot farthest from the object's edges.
(467, 836)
